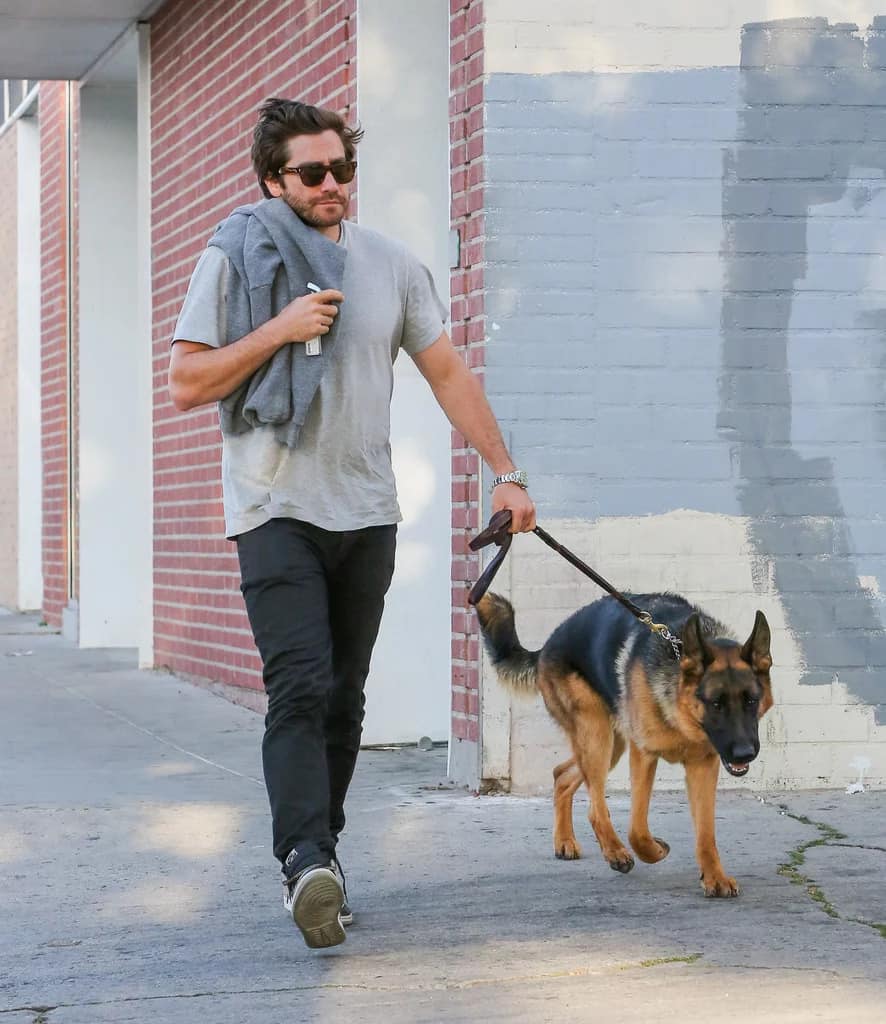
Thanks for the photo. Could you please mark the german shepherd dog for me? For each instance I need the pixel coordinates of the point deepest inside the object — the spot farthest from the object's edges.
(610, 682)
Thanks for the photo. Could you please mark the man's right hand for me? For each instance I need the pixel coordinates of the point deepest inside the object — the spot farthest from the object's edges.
(200, 373)
(308, 316)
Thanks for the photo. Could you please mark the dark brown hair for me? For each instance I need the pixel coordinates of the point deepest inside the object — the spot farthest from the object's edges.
(279, 121)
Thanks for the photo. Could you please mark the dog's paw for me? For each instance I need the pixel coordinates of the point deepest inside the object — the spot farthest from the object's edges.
(650, 849)
(719, 886)
(621, 861)
(567, 849)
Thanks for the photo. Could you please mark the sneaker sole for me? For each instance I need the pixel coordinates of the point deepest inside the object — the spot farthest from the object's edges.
(316, 911)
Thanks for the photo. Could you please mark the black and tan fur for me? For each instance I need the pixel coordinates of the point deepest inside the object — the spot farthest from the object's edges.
(611, 683)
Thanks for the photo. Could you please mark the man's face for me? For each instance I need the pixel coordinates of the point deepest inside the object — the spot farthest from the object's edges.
(323, 205)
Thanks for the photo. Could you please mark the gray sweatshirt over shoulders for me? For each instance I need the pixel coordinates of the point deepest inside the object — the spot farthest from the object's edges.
(272, 257)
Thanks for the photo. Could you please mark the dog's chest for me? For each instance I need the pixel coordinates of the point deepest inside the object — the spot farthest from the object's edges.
(650, 717)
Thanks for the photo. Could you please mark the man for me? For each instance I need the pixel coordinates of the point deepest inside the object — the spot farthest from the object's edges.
(292, 322)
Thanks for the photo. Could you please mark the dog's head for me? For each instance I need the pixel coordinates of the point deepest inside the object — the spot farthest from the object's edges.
(728, 690)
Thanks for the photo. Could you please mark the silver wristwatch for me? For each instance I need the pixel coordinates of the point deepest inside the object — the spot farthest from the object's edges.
(516, 476)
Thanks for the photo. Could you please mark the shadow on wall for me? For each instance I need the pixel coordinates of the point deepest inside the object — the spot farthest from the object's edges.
(804, 199)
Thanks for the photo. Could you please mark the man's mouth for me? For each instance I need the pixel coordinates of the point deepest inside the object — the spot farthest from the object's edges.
(736, 768)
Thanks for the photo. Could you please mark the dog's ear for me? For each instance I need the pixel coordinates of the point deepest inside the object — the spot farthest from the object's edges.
(755, 650)
(696, 655)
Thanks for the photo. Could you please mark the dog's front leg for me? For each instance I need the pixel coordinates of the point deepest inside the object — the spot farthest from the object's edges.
(701, 784)
(648, 848)
(594, 756)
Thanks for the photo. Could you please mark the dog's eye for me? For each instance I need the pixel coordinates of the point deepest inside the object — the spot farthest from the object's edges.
(718, 703)
(751, 702)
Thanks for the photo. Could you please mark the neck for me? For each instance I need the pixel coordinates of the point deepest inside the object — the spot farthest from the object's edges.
(333, 232)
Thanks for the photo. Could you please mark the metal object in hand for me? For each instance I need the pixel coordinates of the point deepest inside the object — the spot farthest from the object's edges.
(313, 347)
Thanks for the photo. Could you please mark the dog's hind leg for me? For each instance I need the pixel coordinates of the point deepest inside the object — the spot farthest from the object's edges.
(649, 848)
(701, 784)
(567, 779)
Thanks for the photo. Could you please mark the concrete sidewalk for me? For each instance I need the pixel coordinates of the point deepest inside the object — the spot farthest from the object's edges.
(138, 883)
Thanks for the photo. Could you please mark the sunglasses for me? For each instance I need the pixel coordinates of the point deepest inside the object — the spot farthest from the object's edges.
(313, 175)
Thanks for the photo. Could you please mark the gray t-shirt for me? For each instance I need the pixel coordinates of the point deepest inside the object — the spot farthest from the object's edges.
(339, 477)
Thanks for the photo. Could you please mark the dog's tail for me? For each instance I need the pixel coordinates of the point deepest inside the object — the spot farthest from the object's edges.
(517, 668)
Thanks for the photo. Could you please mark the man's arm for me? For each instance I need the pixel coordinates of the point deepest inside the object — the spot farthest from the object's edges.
(460, 395)
(199, 374)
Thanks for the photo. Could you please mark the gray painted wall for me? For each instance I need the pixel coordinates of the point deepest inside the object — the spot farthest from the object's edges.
(686, 301)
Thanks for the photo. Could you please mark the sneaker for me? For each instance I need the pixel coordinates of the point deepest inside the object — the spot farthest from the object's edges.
(345, 915)
(314, 899)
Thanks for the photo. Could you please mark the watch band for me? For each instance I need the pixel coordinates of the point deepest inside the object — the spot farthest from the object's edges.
(516, 476)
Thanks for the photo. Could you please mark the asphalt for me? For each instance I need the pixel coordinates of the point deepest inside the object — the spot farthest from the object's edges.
(137, 882)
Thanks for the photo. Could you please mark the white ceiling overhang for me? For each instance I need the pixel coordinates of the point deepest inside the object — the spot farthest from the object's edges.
(62, 39)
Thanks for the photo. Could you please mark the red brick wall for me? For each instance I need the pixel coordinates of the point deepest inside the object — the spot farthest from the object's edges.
(468, 332)
(54, 321)
(212, 64)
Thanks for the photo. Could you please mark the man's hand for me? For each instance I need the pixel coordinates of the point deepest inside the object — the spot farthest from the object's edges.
(308, 316)
(199, 373)
(515, 498)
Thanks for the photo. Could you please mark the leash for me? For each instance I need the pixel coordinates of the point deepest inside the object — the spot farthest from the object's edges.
(498, 532)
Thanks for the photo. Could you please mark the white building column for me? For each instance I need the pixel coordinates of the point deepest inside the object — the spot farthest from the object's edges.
(115, 593)
(30, 457)
(403, 105)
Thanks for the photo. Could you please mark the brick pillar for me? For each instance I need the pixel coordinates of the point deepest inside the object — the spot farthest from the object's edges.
(468, 334)
(55, 315)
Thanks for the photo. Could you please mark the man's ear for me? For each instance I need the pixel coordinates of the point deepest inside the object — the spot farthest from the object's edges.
(272, 184)
(696, 656)
(755, 650)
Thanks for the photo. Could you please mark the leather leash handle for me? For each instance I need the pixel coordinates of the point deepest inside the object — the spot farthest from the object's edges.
(497, 532)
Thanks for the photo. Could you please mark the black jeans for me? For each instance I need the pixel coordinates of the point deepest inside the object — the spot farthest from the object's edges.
(315, 601)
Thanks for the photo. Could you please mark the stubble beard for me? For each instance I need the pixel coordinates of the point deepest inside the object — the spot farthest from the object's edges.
(315, 216)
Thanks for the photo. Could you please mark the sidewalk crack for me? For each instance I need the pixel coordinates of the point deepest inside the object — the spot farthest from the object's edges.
(463, 984)
(790, 869)
(157, 737)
